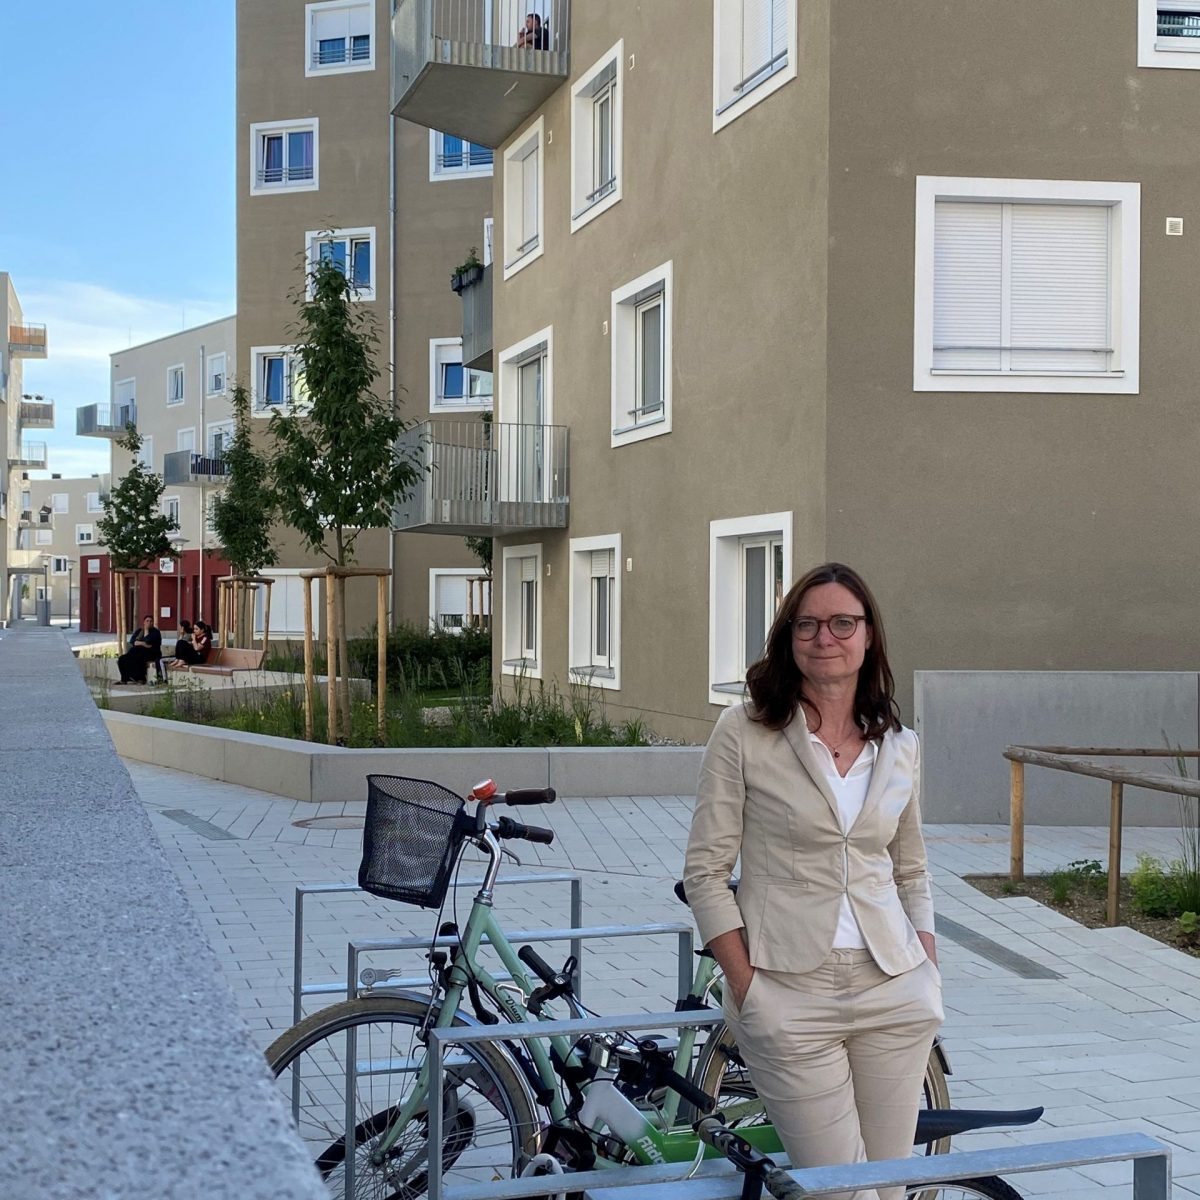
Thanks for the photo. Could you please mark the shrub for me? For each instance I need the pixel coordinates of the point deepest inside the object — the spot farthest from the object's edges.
(1151, 886)
(1188, 927)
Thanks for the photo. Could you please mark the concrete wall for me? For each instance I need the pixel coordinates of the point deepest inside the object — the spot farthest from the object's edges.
(127, 1069)
(967, 718)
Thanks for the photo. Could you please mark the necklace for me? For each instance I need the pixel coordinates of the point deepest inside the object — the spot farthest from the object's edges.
(835, 747)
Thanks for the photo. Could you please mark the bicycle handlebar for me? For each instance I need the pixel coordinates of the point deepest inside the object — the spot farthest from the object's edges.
(507, 828)
(714, 1132)
(537, 964)
(530, 796)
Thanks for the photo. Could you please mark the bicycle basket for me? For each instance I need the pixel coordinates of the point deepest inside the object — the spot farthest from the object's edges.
(413, 831)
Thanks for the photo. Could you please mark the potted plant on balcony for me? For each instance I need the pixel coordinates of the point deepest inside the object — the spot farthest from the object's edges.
(467, 273)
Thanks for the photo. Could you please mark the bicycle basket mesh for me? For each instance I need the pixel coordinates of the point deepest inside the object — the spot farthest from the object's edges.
(411, 839)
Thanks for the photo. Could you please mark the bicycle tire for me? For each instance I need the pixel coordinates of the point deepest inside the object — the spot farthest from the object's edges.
(322, 1117)
(991, 1187)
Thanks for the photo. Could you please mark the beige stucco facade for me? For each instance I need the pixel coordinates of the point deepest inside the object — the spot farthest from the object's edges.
(1035, 521)
(71, 506)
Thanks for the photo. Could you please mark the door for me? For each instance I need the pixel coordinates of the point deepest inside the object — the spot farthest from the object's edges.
(93, 608)
(531, 429)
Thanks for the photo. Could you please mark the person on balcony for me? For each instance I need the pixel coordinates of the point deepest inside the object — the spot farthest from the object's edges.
(145, 647)
(533, 36)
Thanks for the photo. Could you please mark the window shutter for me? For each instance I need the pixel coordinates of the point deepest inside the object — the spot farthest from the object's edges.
(529, 196)
(602, 563)
(1060, 287)
(528, 570)
(779, 28)
(360, 21)
(967, 286)
(330, 23)
(756, 36)
(607, 75)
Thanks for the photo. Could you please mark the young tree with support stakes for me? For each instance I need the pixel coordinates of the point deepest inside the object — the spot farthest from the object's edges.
(336, 469)
(134, 529)
(243, 514)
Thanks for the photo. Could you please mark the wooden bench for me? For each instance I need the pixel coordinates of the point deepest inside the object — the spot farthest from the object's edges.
(224, 662)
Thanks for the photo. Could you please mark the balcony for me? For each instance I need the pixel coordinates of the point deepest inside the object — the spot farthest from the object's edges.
(27, 341)
(30, 455)
(457, 68)
(42, 519)
(3, 506)
(104, 420)
(484, 479)
(477, 322)
(183, 468)
(36, 413)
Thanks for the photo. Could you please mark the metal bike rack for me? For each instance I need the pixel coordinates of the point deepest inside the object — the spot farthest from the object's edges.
(348, 987)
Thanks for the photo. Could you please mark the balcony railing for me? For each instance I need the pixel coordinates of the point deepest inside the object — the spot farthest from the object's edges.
(27, 341)
(477, 322)
(271, 176)
(336, 52)
(184, 468)
(30, 455)
(3, 506)
(485, 478)
(104, 420)
(1173, 23)
(472, 68)
(36, 414)
(42, 519)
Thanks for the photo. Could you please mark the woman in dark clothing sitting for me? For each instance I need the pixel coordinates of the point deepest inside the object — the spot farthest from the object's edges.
(202, 641)
(145, 647)
(185, 650)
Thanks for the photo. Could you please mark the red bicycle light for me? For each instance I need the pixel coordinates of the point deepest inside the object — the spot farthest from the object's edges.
(484, 790)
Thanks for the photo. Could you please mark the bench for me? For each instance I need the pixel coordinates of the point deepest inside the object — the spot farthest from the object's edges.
(224, 662)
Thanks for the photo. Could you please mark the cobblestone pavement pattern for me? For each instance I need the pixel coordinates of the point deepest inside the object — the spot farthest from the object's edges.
(1112, 1045)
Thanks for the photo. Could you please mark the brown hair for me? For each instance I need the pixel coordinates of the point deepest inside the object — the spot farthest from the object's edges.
(776, 685)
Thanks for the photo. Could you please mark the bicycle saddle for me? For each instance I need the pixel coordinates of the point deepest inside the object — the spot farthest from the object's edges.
(936, 1123)
(682, 895)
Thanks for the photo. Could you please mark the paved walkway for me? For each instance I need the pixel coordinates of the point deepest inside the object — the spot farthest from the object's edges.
(1111, 1044)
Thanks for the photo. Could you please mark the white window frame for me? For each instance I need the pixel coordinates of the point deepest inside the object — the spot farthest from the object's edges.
(725, 636)
(514, 661)
(583, 140)
(146, 454)
(228, 426)
(623, 333)
(726, 20)
(55, 559)
(279, 574)
(505, 382)
(581, 626)
(262, 128)
(439, 173)
(291, 371)
(1154, 51)
(85, 535)
(488, 237)
(314, 237)
(531, 140)
(176, 372)
(436, 573)
(181, 437)
(96, 506)
(166, 507)
(1124, 284)
(445, 351)
(43, 537)
(60, 502)
(345, 68)
(120, 385)
(211, 372)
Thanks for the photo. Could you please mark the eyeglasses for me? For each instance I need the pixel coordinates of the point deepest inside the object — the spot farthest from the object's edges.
(841, 625)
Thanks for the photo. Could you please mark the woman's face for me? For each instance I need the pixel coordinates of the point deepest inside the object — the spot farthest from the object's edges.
(825, 658)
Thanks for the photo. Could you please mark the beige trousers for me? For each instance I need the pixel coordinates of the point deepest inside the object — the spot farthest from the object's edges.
(838, 1056)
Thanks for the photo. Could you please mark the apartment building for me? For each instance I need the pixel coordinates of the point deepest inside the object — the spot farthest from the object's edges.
(176, 391)
(20, 413)
(61, 512)
(324, 170)
(795, 280)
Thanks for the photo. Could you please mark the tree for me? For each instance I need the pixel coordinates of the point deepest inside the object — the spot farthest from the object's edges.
(336, 468)
(244, 510)
(134, 528)
(481, 547)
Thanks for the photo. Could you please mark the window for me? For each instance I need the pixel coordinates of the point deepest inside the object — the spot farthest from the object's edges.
(453, 387)
(1026, 286)
(124, 401)
(278, 379)
(171, 509)
(641, 357)
(59, 566)
(94, 503)
(338, 37)
(219, 436)
(215, 372)
(287, 604)
(596, 139)
(185, 439)
(594, 637)
(487, 241)
(459, 597)
(1169, 34)
(285, 156)
(750, 567)
(353, 252)
(60, 502)
(146, 453)
(754, 54)
(45, 537)
(84, 535)
(523, 218)
(529, 464)
(451, 157)
(175, 385)
(522, 571)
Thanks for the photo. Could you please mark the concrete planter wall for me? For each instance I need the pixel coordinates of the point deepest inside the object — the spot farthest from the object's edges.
(309, 772)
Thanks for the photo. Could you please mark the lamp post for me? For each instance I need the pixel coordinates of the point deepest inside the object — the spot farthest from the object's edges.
(70, 591)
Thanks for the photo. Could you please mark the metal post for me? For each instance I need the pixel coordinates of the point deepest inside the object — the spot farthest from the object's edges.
(685, 963)
(1114, 852)
(435, 1120)
(577, 943)
(297, 985)
(351, 1094)
(1152, 1178)
(70, 566)
(1016, 869)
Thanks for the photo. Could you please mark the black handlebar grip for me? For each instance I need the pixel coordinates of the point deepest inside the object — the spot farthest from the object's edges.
(530, 796)
(535, 833)
(537, 964)
(695, 1096)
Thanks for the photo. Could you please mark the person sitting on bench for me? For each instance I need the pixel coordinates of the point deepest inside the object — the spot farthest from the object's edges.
(145, 647)
(202, 641)
(185, 650)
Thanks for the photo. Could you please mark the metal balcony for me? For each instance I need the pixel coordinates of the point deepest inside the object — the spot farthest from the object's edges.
(30, 456)
(104, 420)
(183, 468)
(36, 414)
(457, 67)
(477, 322)
(42, 519)
(27, 341)
(480, 478)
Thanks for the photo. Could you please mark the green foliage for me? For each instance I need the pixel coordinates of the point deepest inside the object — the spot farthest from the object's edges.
(1188, 926)
(472, 261)
(1084, 873)
(134, 529)
(336, 469)
(244, 511)
(1008, 888)
(1151, 887)
(481, 547)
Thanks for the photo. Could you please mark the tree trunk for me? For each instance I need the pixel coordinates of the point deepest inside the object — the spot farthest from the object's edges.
(344, 657)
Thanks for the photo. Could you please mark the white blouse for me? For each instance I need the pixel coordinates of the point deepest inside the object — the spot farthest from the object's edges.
(850, 793)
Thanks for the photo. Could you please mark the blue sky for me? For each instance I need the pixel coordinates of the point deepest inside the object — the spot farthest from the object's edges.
(116, 186)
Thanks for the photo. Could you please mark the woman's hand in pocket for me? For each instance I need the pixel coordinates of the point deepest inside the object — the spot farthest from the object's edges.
(740, 986)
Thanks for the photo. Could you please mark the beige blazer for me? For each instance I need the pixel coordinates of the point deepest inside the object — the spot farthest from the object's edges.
(764, 797)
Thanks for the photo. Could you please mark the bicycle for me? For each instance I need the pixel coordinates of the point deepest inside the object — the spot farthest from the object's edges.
(357, 1071)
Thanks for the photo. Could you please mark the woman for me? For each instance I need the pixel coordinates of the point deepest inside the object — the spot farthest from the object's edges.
(145, 647)
(185, 652)
(201, 641)
(832, 988)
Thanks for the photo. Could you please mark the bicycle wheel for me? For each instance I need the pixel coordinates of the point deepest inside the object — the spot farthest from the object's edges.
(486, 1110)
(991, 1188)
